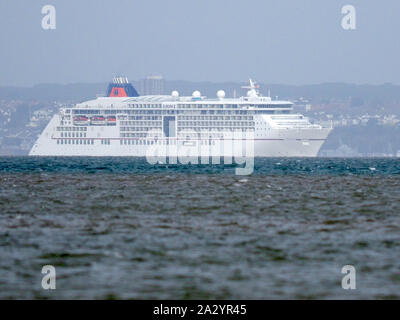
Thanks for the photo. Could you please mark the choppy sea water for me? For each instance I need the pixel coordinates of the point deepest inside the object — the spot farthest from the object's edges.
(121, 228)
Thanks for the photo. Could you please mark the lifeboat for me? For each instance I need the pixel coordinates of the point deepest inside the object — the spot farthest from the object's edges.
(97, 121)
(81, 120)
(111, 120)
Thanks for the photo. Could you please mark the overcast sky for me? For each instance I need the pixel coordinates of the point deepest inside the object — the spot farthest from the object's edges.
(273, 41)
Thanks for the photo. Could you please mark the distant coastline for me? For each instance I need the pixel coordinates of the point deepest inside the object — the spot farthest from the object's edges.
(366, 118)
(323, 91)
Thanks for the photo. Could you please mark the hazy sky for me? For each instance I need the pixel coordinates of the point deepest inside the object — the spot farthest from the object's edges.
(274, 41)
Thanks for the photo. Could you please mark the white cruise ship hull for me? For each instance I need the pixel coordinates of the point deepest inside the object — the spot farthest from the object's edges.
(265, 148)
(106, 143)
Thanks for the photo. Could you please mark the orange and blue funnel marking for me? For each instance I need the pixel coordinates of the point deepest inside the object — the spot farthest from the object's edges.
(120, 87)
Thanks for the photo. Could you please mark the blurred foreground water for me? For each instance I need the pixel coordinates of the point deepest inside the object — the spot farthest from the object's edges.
(121, 228)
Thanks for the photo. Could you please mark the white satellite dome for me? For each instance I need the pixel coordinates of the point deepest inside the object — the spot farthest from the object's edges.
(221, 94)
(175, 94)
(196, 94)
(252, 93)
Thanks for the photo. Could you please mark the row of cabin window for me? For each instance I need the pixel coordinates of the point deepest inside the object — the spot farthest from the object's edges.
(140, 123)
(215, 117)
(75, 141)
(144, 118)
(139, 142)
(133, 135)
(139, 128)
(71, 128)
(185, 106)
(215, 123)
(161, 111)
(218, 129)
(72, 135)
(181, 106)
(160, 142)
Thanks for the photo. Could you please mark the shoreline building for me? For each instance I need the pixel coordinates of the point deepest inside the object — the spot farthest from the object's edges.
(152, 85)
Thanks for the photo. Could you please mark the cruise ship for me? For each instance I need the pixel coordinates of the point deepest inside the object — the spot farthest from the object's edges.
(122, 123)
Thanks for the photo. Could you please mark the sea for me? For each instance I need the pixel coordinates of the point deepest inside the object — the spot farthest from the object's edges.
(121, 228)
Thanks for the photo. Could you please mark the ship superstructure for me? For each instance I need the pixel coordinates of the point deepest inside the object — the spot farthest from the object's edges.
(126, 124)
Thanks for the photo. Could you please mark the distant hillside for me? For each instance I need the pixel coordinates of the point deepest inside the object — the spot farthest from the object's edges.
(367, 117)
(316, 93)
(51, 92)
